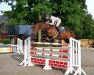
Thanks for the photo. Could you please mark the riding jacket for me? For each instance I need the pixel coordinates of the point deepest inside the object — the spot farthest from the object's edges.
(54, 21)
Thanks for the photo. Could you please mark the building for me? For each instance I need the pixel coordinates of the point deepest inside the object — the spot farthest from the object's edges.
(3, 29)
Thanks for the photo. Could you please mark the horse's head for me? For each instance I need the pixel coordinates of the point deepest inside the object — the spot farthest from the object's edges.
(36, 28)
(39, 26)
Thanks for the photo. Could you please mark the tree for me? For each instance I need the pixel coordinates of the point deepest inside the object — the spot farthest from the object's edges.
(26, 11)
(88, 27)
(71, 13)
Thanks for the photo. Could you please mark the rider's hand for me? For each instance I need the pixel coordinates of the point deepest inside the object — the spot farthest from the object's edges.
(47, 22)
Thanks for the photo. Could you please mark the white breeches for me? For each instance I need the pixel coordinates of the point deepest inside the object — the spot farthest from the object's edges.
(58, 22)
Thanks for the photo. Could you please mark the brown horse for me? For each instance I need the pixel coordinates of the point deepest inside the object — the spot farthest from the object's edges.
(51, 31)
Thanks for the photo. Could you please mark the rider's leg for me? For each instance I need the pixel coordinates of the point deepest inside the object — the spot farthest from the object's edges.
(57, 25)
(57, 28)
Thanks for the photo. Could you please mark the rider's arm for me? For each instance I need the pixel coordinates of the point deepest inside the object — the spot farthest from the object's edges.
(52, 22)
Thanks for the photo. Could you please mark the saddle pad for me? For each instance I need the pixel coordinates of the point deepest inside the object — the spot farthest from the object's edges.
(61, 29)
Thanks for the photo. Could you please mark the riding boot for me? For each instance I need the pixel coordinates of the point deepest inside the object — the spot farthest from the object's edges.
(58, 29)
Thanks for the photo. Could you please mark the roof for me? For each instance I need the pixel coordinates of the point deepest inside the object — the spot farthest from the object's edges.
(3, 19)
(25, 29)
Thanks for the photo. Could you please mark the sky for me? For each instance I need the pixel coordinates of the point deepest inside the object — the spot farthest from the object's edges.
(89, 3)
(4, 7)
(90, 6)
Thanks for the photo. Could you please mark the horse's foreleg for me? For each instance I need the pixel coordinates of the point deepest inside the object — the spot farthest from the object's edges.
(49, 39)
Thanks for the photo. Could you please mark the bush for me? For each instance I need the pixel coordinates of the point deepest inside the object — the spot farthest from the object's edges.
(5, 41)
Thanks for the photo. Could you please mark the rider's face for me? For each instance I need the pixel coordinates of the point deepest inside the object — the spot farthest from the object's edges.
(47, 17)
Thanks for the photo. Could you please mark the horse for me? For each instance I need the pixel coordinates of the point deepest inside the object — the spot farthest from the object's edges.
(52, 33)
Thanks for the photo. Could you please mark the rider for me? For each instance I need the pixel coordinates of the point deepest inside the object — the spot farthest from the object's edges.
(52, 20)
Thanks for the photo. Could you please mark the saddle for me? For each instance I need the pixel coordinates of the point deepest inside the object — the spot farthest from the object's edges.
(60, 29)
